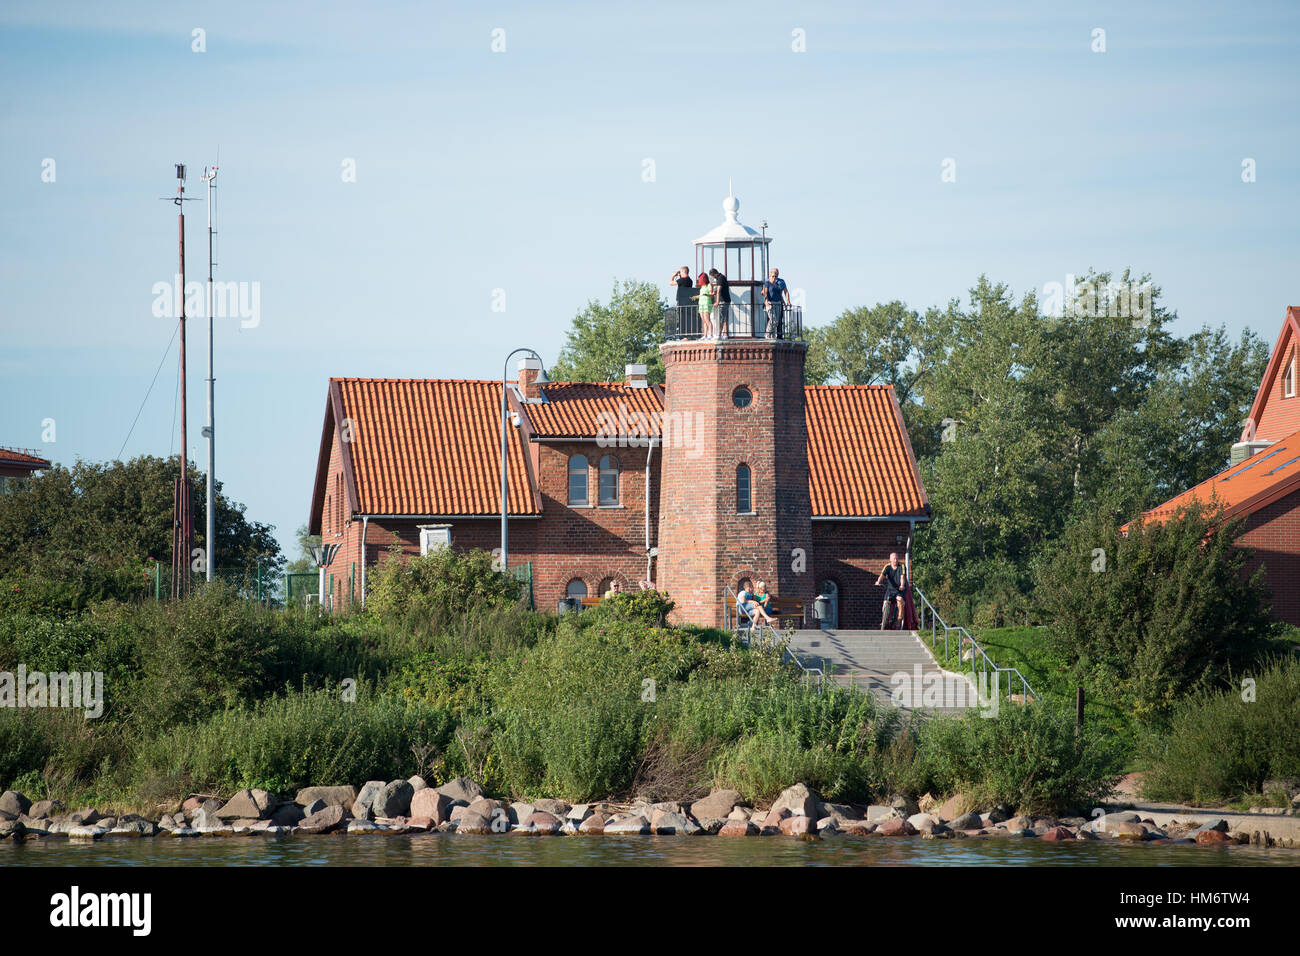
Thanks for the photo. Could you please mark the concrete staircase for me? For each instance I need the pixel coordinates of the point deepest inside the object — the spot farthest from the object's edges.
(868, 660)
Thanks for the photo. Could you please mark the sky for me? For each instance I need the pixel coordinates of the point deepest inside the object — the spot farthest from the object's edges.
(417, 189)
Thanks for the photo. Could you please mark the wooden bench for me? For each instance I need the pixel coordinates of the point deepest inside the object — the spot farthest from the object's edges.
(781, 609)
(590, 602)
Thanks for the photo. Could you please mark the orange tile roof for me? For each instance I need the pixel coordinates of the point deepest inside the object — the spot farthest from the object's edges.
(1246, 487)
(430, 447)
(860, 460)
(13, 456)
(579, 409)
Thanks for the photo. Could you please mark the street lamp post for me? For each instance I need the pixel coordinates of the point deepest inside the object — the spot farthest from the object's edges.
(540, 380)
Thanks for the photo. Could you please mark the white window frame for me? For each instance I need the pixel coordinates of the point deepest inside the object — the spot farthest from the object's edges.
(1288, 378)
(433, 537)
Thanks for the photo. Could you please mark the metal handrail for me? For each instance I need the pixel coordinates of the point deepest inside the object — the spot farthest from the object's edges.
(759, 629)
(978, 653)
(683, 322)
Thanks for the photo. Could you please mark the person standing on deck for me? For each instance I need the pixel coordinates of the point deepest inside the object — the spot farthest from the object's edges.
(773, 289)
(722, 290)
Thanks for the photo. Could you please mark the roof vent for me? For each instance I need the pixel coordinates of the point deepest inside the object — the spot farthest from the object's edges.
(636, 377)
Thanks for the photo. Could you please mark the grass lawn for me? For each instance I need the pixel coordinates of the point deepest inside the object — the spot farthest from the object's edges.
(1029, 650)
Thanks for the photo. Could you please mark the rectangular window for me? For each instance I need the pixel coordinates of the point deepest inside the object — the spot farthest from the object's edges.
(434, 536)
(1288, 380)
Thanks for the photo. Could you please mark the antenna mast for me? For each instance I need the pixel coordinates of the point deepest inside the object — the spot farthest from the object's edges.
(209, 430)
(182, 505)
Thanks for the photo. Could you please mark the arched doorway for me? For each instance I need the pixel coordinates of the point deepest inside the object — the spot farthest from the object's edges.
(832, 590)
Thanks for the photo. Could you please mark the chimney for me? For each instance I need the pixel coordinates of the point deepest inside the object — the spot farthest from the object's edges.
(528, 371)
(636, 376)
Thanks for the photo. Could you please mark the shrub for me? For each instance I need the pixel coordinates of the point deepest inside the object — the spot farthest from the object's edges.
(1173, 612)
(440, 587)
(1023, 757)
(1219, 747)
(297, 740)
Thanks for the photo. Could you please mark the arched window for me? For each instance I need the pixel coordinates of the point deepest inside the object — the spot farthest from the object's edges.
(577, 588)
(608, 489)
(743, 498)
(578, 481)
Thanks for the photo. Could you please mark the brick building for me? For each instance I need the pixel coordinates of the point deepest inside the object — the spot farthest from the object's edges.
(733, 470)
(1262, 483)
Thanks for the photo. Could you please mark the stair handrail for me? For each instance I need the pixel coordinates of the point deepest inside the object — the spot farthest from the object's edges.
(978, 653)
(730, 600)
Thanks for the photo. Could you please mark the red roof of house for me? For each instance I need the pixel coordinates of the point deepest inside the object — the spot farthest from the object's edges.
(12, 456)
(860, 460)
(431, 447)
(1287, 338)
(423, 447)
(582, 409)
(1246, 487)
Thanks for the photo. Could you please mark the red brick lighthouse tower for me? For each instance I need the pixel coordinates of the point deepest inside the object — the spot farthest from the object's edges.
(734, 502)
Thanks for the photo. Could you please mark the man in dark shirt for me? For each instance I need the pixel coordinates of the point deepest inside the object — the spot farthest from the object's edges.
(685, 288)
(894, 576)
(723, 306)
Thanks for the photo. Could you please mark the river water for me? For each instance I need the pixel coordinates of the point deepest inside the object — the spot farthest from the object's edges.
(444, 849)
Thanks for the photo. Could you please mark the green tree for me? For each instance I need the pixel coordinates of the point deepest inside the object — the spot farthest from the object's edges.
(119, 513)
(1165, 611)
(605, 338)
(304, 563)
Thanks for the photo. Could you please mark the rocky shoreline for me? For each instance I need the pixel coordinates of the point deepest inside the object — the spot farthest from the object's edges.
(460, 806)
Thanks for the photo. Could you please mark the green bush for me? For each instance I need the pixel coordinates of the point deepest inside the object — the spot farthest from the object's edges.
(296, 740)
(1172, 613)
(1023, 757)
(439, 588)
(1220, 746)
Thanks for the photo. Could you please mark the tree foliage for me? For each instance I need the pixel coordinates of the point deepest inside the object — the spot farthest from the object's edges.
(1161, 613)
(605, 338)
(88, 524)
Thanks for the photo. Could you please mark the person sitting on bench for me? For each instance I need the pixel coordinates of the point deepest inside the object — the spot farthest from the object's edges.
(749, 605)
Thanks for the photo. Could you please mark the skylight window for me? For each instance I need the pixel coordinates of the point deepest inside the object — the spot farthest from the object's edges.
(1283, 465)
(1276, 451)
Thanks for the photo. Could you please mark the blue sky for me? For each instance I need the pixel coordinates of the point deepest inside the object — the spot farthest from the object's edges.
(522, 171)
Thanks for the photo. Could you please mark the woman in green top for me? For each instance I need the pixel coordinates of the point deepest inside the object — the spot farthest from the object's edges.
(706, 310)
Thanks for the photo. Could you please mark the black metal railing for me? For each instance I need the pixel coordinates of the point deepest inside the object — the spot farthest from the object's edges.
(683, 322)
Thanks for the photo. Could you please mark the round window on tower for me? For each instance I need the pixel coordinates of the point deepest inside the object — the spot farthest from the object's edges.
(741, 397)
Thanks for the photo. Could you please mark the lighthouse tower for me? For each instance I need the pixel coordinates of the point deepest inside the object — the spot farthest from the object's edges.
(734, 502)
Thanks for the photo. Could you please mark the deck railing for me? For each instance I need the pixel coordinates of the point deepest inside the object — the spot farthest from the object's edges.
(683, 322)
(980, 662)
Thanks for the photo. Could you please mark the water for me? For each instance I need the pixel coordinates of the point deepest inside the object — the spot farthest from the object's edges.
(444, 849)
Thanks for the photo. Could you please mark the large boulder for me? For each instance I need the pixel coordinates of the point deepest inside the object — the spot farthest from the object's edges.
(634, 824)
(544, 823)
(798, 825)
(324, 821)
(955, 806)
(896, 826)
(556, 808)
(330, 796)
(417, 782)
(247, 805)
(45, 809)
(966, 821)
(738, 828)
(878, 813)
(432, 805)
(14, 803)
(12, 829)
(668, 823)
(291, 814)
(799, 800)
(363, 805)
(393, 799)
(461, 790)
(719, 803)
(594, 825)
(473, 821)
(206, 818)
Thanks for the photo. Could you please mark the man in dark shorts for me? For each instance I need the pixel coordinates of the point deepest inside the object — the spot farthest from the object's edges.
(723, 307)
(894, 576)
